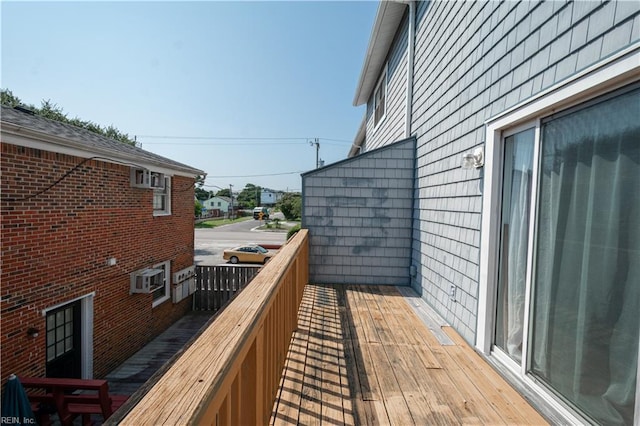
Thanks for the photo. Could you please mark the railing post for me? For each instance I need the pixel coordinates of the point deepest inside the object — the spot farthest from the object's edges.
(260, 378)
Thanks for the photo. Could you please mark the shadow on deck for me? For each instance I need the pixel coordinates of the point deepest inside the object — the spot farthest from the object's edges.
(361, 355)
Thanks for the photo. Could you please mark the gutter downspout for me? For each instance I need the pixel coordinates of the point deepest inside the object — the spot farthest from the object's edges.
(414, 283)
(410, 60)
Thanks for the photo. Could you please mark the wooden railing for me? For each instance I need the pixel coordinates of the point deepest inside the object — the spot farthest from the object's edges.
(230, 374)
(216, 285)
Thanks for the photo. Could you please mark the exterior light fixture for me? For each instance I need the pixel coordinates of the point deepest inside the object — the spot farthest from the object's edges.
(32, 332)
(473, 160)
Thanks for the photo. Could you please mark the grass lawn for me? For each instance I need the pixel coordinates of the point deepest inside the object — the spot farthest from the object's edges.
(278, 225)
(212, 223)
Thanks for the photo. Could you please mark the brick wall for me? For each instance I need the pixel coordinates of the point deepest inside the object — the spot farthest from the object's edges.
(56, 239)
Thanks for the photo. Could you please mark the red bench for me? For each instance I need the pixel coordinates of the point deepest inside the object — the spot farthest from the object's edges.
(72, 397)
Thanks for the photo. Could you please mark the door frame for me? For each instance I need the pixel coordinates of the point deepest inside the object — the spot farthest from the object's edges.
(606, 76)
(86, 330)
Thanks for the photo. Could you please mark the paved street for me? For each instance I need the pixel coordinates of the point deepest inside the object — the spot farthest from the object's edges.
(210, 243)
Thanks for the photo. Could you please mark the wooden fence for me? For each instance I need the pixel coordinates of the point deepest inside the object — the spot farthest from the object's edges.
(216, 285)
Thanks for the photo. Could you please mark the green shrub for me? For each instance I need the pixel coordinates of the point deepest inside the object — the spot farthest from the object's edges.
(293, 231)
(291, 205)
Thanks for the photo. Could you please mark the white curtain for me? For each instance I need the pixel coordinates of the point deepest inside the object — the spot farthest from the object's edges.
(516, 202)
(587, 274)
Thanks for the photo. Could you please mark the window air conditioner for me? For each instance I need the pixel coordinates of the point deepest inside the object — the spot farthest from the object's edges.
(143, 178)
(146, 280)
(157, 180)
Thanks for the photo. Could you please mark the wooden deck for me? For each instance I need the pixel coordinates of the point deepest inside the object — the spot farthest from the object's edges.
(361, 355)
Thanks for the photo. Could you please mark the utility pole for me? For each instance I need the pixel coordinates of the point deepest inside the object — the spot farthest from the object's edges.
(316, 142)
(231, 195)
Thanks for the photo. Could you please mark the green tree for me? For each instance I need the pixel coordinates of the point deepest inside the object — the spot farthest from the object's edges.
(249, 197)
(291, 205)
(7, 98)
(226, 192)
(52, 111)
(201, 193)
(198, 208)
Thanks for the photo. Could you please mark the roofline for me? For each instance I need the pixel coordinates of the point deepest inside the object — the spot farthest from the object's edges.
(357, 158)
(19, 135)
(388, 19)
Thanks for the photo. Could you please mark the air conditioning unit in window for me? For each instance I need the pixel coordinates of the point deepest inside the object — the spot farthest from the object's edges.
(157, 180)
(144, 178)
(146, 280)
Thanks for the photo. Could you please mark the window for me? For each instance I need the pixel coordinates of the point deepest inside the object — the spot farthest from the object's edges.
(560, 263)
(162, 198)
(379, 97)
(161, 289)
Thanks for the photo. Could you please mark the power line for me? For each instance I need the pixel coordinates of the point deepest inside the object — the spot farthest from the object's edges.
(67, 174)
(215, 137)
(248, 176)
(228, 138)
(221, 144)
(237, 143)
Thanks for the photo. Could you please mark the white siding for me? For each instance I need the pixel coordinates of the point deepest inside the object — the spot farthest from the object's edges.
(391, 128)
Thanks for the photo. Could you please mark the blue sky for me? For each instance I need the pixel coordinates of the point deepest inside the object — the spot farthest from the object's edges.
(261, 78)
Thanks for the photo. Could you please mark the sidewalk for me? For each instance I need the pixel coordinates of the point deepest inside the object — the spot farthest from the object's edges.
(134, 372)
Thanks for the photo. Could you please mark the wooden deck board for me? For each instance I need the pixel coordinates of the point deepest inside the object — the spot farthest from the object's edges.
(362, 356)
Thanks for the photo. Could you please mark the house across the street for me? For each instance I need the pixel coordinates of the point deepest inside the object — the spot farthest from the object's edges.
(217, 206)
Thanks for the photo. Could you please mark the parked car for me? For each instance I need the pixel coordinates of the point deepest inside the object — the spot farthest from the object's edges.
(247, 254)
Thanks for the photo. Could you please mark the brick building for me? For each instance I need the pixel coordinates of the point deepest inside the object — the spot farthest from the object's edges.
(97, 247)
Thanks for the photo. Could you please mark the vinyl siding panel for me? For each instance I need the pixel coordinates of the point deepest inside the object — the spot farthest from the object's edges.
(392, 127)
(474, 60)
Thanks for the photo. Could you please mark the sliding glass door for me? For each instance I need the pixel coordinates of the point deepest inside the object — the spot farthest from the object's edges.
(580, 336)
(587, 286)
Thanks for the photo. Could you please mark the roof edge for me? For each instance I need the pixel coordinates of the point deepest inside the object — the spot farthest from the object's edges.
(72, 147)
(388, 19)
(358, 157)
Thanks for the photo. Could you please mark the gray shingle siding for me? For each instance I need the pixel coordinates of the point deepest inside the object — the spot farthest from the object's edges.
(473, 61)
(359, 215)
